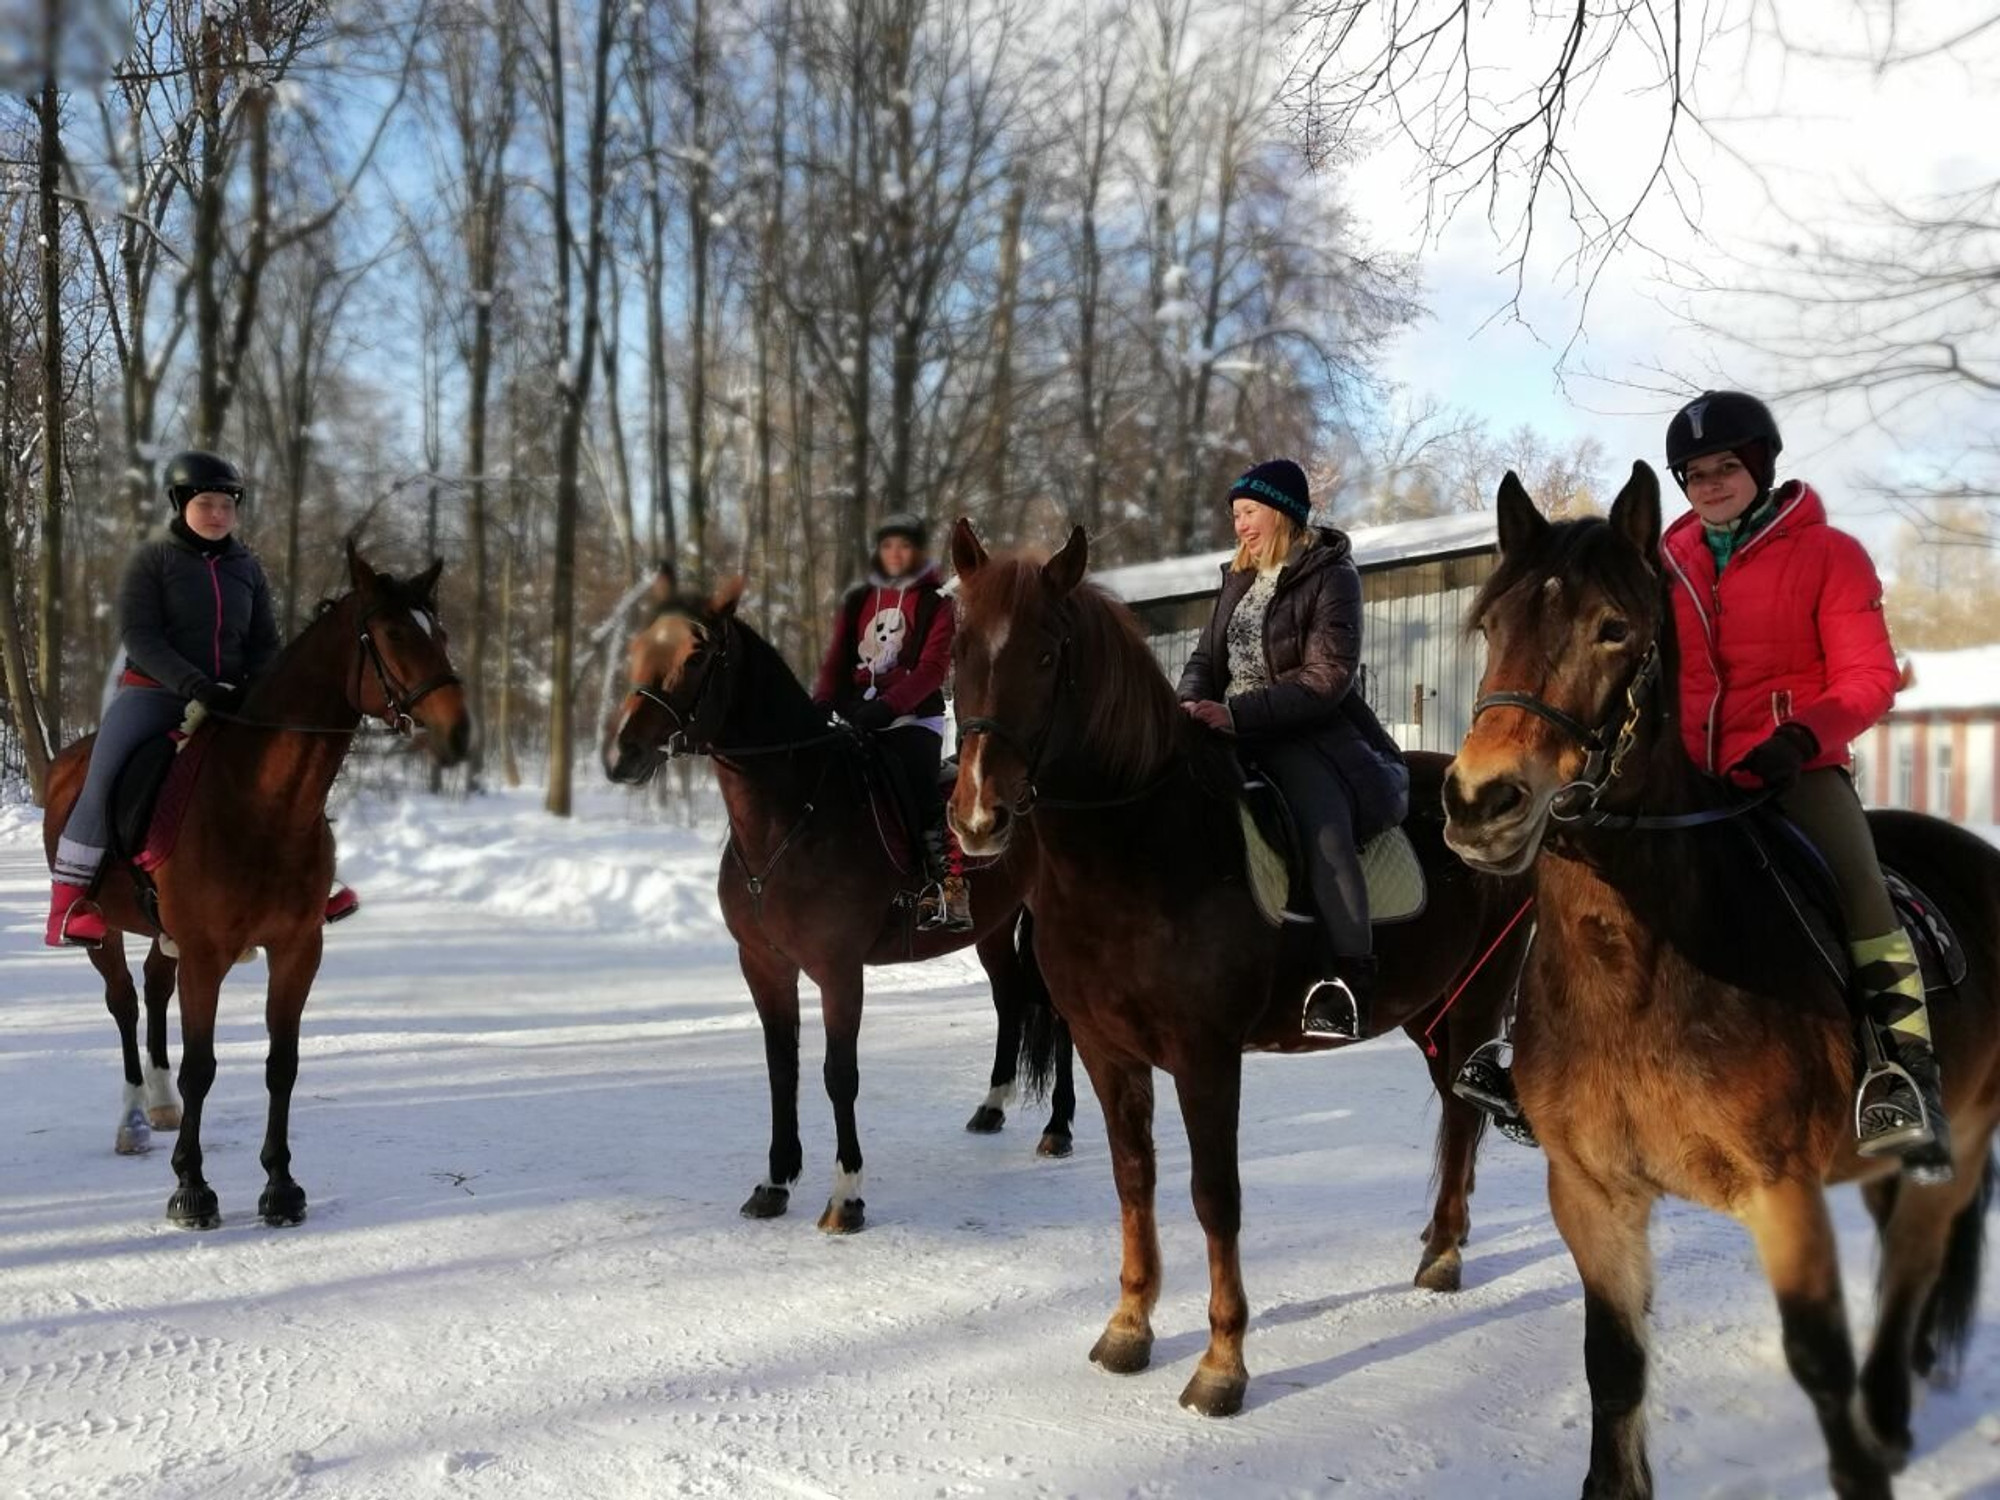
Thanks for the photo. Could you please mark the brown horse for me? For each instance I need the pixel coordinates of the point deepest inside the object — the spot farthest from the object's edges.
(806, 884)
(1151, 940)
(254, 857)
(1677, 1036)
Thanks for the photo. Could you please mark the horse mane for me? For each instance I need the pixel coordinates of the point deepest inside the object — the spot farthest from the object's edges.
(1130, 722)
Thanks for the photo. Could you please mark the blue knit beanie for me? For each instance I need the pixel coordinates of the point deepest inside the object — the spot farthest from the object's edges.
(1278, 483)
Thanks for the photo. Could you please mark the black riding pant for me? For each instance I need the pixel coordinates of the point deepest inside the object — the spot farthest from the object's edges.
(916, 753)
(1324, 811)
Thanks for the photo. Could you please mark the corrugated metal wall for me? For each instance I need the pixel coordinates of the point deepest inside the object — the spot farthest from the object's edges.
(1420, 672)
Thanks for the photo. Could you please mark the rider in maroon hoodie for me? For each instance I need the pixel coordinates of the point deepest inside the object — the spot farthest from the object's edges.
(884, 672)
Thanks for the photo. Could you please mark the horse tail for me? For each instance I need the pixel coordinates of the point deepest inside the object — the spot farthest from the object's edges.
(1956, 1301)
(1044, 1035)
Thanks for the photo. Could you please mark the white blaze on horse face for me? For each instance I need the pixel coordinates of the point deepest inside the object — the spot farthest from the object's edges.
(425, 622)
(976, 823)
(996, 638)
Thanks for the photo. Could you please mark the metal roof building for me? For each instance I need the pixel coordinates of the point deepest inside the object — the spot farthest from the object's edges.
(1419, 671)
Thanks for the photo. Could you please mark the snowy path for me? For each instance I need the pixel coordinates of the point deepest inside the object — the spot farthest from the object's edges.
(524, 1274)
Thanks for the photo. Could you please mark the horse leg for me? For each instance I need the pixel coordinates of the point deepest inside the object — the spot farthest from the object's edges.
(121, 998)
(1795, 1240)
(840, 1012)
(774, 986)
(1125, 1090)
(1058, 1135)
(1916, 1237)
(1210, 1105)
(194, 1204)
(1606, 1235)
(996, 952)
(1460, 1127)
(293, 968)
(163, 1105)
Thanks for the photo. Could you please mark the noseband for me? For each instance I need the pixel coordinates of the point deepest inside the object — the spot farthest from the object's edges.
(679, 740)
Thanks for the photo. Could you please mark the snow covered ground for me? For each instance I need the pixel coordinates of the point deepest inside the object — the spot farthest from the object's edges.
(531, 1100)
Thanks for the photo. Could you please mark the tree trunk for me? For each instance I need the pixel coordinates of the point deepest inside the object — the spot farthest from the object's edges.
(50, 632)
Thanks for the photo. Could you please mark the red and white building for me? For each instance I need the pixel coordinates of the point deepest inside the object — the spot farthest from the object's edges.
(1935, 751)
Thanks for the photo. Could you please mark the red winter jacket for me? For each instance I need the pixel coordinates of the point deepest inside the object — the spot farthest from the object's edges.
(907, 674)
(1793, 631)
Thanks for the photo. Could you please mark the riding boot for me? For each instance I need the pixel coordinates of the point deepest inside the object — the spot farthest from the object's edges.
(342, 904)
(1486, 1082)
(1899, 1107)
(74, 919)
(946, 902)
(1339, 1005)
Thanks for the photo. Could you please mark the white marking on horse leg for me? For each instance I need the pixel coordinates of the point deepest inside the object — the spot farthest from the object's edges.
(1000, 1096)
(846, 1186)
(135, 1136)
(163, 1101)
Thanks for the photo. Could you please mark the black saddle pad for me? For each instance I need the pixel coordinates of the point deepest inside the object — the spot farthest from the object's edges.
(1796, 866)
(135, 792)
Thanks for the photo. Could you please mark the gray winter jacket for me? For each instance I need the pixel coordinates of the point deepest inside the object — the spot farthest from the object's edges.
(189, 620)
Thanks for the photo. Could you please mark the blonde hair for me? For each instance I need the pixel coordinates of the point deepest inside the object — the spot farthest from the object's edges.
(1278, 545)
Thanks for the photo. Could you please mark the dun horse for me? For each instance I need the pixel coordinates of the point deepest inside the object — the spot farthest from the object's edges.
(806, 883)
(1677, 1035)
(1149, 935)
(254, 856)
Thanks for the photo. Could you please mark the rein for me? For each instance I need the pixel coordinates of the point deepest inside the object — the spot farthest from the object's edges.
(1605, 757)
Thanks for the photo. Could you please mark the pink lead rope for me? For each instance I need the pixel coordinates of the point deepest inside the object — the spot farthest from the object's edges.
(1430, 1047)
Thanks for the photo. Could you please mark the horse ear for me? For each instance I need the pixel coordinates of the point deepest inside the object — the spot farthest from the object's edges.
(426, 582)
(1065, 570)
(727, 595)
(968, 554)
(1635, 514)
(1520, 521)
(358, 572)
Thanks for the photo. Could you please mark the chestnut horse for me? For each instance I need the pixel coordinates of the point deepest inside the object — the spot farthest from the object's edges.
(1149, 935)
(1677, 1036)
(254, 857)
(806, 884)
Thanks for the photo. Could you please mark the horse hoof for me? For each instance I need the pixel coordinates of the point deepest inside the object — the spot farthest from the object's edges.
(1443, 1272)
(767, 1202)
(164, 1117)
(135, 1136)
(1122, 1353)
(986, 1120)
(281, 1204)
(842, 1218)
(1214, 1395)
(1054, 1144)
(194, 1208)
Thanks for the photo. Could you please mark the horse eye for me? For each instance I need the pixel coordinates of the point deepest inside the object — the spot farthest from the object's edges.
(1612, 631)
(1048, 659)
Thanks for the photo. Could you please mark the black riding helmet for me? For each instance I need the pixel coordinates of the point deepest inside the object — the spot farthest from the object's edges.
(199, 473)
(1724, 422)
(908, 525)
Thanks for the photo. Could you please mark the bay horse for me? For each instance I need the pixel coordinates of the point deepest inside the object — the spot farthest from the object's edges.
(1676, 1034)
(253, 859)
(1148, 933)
(806, 883)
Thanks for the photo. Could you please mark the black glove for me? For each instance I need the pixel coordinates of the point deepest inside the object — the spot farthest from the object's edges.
(873, 714)
(220, 697)
(1776, 763)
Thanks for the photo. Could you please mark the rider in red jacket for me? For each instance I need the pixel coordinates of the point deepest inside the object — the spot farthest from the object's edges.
(1784, 659)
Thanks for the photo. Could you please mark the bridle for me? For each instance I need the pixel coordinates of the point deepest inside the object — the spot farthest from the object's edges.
(1031, 793)
(681, 738)
(399, 702)
(1605, 752)
(1032, 759)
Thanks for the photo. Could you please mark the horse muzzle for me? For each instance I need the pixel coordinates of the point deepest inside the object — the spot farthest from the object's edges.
(1494, 822)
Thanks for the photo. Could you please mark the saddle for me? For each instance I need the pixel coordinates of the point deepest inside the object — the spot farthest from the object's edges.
(894, 806)
(1794, 864)
(149, 801)
(1277, 868)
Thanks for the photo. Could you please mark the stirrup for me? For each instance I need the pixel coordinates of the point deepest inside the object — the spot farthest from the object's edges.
(1885, 1127)
(1483, 1081)
(84, 907)
(1345, 1025)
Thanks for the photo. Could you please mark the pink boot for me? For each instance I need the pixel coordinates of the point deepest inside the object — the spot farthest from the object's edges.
(74, 922)
(341, 904)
